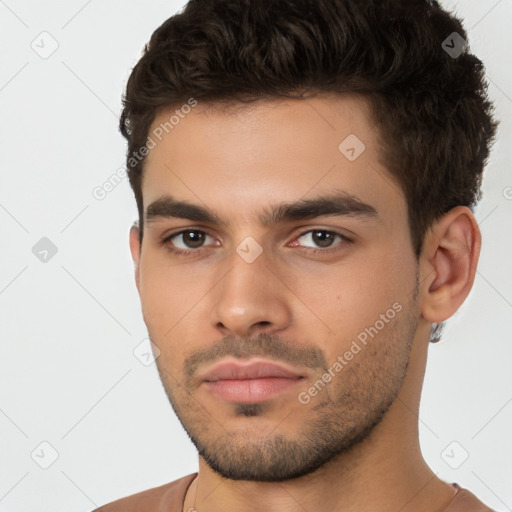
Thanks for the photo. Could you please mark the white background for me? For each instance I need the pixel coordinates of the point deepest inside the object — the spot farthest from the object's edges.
(68, 327)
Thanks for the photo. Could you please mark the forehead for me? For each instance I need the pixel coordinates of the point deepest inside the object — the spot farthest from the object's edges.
(242, 158)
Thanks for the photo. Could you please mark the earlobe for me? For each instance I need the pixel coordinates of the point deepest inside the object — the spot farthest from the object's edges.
(135, 249)
(451, 256)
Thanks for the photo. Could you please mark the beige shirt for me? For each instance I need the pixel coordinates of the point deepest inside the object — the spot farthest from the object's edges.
(170, 498)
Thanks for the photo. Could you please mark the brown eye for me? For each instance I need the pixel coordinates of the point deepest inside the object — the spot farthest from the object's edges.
(322, 238)
(193, 239)
(186, 240)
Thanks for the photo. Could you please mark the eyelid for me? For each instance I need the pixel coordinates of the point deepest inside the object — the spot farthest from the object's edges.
(166, 237)
(334, 232)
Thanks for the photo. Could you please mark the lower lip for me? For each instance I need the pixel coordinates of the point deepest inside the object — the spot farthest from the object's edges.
(250, 390)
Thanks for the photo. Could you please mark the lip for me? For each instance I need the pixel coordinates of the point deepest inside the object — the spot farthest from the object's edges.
(254, 369)
(249, 382)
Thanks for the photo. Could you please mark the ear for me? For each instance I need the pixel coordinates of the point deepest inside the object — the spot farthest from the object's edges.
(135, 249)
(449, 261)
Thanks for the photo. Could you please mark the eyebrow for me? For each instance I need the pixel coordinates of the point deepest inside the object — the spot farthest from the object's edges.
(335, 204)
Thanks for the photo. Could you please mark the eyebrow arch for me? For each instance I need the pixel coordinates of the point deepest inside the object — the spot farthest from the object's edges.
(339, 203)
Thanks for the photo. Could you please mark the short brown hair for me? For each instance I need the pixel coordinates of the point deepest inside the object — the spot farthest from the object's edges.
(430, 105)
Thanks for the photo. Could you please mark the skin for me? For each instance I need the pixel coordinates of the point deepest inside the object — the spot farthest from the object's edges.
(355, 445)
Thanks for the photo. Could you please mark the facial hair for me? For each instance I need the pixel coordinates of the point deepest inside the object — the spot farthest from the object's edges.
(343, 415)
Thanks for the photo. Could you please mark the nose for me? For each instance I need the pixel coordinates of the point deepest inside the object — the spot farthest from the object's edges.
(251, 298)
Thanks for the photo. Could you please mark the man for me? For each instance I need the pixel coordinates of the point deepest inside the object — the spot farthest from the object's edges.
(306, 174)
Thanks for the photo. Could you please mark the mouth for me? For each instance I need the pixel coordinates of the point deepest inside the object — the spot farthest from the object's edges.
(252, 382)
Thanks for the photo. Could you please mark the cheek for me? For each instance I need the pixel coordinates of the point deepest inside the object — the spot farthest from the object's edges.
(165, 294)
(174, 304)
(351, 296)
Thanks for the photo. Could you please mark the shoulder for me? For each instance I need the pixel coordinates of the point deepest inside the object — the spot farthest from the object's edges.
(168, 497)
(465, 501)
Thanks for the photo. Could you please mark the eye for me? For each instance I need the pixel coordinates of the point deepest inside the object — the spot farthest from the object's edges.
(187, 241)
(190, 242)
(322, 238)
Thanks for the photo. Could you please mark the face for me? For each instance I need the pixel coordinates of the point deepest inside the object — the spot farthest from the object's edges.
(297, 253)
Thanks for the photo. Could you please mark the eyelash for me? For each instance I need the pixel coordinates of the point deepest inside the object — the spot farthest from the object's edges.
(190, 252)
